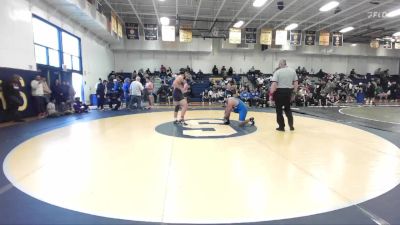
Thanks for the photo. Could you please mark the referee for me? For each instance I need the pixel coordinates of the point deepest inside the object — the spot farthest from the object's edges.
(284, 85)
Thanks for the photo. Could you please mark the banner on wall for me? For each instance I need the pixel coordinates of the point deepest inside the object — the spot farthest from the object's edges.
(251, 36)
(235, 36)
(397, 45)
(150, 32)
(337, 39)
(280, 37)
(132, 31)
(310, 38)
(374, 44)
(324, 38)
(168, 33)
(387, 43)
(119, 28)
(114, 25)
(185, 35)
(295, 37)
(266, 37)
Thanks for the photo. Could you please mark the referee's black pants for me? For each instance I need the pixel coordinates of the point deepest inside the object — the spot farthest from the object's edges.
(283, 98)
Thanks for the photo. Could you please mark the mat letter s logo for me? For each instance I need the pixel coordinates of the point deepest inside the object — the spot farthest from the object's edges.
(208, 128)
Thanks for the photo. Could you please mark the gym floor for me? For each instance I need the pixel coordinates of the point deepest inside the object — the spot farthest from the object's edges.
(340, 166)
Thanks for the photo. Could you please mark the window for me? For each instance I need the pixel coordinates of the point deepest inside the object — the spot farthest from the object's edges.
(70, 44)
(56, 47)
(45, 34)
(54, 58)
(40, 54)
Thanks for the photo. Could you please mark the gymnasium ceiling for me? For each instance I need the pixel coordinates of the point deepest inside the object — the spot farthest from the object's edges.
(214, 17)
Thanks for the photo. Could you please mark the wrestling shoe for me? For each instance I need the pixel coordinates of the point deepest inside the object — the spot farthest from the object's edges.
(183, 123)
(252, 122)
(227, 122)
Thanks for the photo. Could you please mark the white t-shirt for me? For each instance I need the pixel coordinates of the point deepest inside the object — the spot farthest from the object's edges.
(136, 88)
(51, 108)
(37, 88)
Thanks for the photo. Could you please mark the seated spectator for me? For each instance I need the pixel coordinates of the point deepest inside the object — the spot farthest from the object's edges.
(80, 107)
(254, 98)
(51, 109)
(244, 95)
(162, 93)
(353, 72)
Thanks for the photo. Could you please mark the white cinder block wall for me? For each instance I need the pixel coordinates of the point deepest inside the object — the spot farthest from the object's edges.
(16, 40)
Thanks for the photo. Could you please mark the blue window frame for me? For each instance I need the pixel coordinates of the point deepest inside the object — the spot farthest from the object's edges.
(55, 46)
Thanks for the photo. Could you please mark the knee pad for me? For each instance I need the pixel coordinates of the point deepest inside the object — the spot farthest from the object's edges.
(177, 108)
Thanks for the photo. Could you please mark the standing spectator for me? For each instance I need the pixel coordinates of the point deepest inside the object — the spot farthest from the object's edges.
(65, 94)
(135, 91)
(223, 70)
(100, 93)
(284, 84)
(38, 96)
(13, 99)
(230, 71)
(149, 88)
(46, 90)
(215, 70)
(163, 70)
(71, 92)
(115, 95)
(58, 95)
(125, 88)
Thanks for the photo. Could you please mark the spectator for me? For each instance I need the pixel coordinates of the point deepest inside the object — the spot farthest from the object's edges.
(163, 70)
(125, 89)
(100, 93)
(80, 107)
(149, 89)
(46, 90)
(58, 95)
(230, 71)
(135, 90)
(215, 70)
(38, 96)
(51, 109)
(223, 71)
(11, 90)
(115, 95)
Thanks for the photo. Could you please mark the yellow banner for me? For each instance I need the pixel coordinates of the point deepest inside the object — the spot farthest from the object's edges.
(114, 25)
(266, 37)
(185, 35)
(235, 36)
(120, 33)
(374, 44)
(324, 38)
